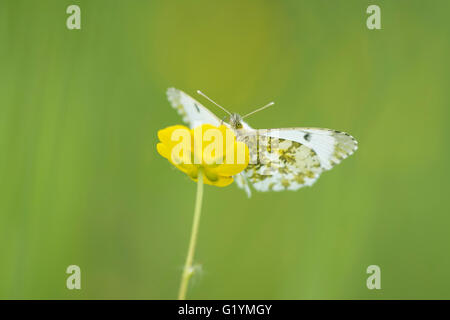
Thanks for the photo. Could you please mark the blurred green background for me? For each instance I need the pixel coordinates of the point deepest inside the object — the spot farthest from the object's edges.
(81, 181)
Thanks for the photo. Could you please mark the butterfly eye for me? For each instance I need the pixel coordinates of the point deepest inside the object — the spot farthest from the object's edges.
(238, 125)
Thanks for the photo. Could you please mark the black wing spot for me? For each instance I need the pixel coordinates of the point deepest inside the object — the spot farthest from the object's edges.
(307, 137)
(196, 107)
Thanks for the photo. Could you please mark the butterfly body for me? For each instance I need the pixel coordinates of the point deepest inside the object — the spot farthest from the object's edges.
(280, 159)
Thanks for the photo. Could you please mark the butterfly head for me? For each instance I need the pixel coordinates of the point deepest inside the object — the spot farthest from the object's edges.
(236, 121)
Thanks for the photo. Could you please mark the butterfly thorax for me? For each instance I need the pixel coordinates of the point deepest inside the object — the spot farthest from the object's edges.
(239, 126)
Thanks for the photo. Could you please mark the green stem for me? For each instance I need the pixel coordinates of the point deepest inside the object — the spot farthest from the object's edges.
(188, 270)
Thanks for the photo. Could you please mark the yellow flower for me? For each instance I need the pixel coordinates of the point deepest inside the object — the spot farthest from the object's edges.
(214, 150)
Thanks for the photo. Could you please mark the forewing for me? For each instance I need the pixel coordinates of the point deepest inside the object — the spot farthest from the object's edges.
(288, 159)
(192, 112)
(331, 146)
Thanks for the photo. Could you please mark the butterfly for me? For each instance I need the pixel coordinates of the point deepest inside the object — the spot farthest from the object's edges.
(280, 159)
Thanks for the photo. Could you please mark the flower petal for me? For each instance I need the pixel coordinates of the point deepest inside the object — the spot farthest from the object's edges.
(215, 174)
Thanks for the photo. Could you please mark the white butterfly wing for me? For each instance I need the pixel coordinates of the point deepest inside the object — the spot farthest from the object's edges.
(288, 159)
(192, 111)
(331, 146)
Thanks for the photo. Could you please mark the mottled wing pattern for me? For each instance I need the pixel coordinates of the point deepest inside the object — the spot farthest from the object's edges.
(280, 164)
(288, 159)
(193, 113)
(331, 146)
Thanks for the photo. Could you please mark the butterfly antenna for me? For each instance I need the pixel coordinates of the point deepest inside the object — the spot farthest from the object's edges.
(205, 96)
(259, 109)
